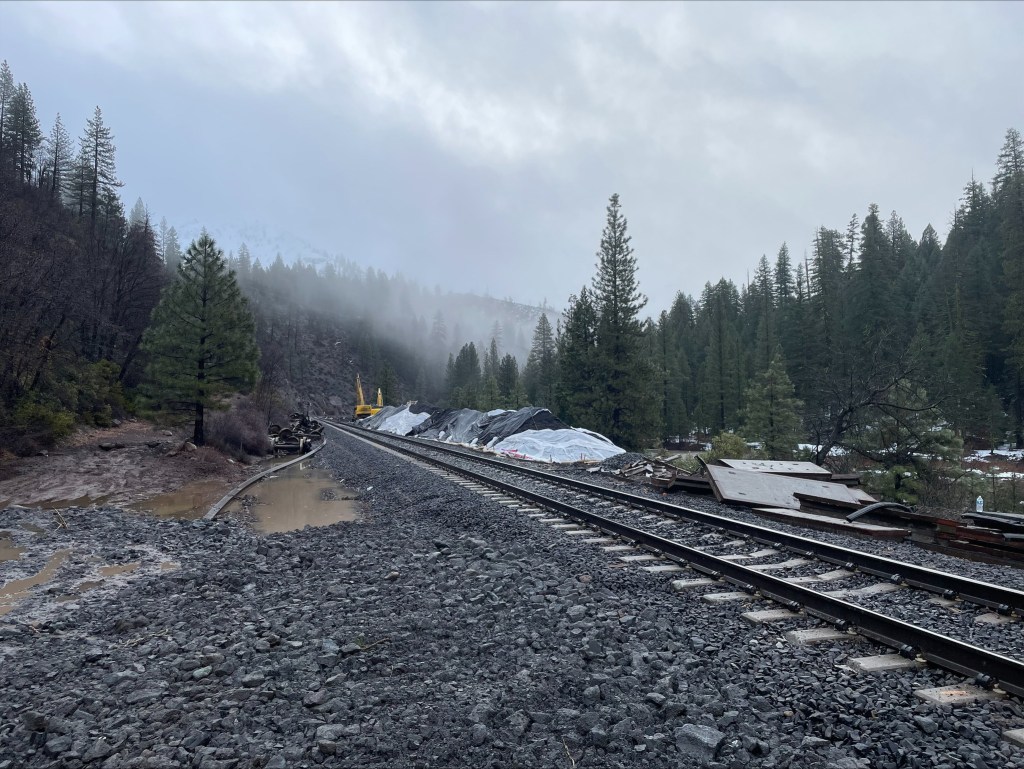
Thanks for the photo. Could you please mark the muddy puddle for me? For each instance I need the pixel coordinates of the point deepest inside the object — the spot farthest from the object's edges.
(8, 551)
(298, 496)
(61, 504)
(105, 571)
(189, 502)
(17, 589)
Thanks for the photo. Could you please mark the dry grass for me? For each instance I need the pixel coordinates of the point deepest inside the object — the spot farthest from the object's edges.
(239, 432)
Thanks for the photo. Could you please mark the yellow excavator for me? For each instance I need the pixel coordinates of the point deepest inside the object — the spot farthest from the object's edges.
(364, 409)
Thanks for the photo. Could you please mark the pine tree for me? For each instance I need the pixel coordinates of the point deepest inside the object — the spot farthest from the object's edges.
(56, 163)
(904, 433)
(872, 284)
(673, 410)
(722, 382)
(491, 359)
(578, 371)
(22, 136)
(139, 216)
(628, 407)
(95, 173)
(680, 358)
(761, 317)
(784, 288)
(172, 250)
(851, 242)
(438, 335)
(1008, 192)
(772, 412)
(7, 95)
(490, 397)
(465, 378)
(201, 343)
(498, 334)
(508, 381)
(387, 380)
(540, 373)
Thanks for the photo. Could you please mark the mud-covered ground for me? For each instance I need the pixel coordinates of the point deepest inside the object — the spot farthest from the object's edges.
(442, 629)
(144, 460)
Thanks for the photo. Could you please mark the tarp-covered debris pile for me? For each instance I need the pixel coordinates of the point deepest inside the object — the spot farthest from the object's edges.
(451, 425)
(527, 433)
(395, 419)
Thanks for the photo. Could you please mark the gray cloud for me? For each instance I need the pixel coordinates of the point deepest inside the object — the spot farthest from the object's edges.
(475, 145)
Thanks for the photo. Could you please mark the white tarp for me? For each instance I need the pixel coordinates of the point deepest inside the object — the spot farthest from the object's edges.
(558, 446)
(466, 426)
(402, 422)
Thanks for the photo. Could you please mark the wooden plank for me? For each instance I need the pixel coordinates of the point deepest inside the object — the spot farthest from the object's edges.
(768, 490)
(692, 484)
(777, 467)
(847, 479)
(799, 518)
(995, 522)
(829, 502)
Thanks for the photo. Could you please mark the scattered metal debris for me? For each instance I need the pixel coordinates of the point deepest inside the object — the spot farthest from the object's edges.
(298, 438)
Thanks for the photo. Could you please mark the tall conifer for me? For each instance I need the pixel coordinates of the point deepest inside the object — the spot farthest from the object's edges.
(201, 343)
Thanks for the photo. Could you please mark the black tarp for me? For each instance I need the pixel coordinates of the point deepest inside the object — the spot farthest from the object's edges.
(457, 425)
(501, 426)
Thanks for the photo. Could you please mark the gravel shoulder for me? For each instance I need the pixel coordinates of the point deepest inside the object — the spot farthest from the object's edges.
(440, 630)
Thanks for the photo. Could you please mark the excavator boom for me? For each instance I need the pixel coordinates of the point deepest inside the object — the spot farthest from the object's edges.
(364, 409)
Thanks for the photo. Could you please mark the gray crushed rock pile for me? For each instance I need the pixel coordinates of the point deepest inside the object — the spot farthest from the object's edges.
(443, 630)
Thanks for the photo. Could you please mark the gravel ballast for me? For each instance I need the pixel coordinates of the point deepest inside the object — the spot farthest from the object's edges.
(441, 630)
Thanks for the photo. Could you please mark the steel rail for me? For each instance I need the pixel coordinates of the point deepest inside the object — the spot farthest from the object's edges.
(1004, 600)
(987, 668)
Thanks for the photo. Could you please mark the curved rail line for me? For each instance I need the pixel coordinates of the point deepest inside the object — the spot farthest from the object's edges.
(986, 667)
(227, 498)
(1003, 600)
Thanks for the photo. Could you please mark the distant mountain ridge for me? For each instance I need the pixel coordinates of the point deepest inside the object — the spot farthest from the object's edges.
(263, 243)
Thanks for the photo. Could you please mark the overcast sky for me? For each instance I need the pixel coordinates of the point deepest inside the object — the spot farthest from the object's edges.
(475, 145)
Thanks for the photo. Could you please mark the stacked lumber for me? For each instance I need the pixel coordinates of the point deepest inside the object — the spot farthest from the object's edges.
(992, 533)
(828, 523)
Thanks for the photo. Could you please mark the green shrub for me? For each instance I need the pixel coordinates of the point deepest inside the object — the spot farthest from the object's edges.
(38, 425)
(901, 483)
(100, 397)
(727, 446)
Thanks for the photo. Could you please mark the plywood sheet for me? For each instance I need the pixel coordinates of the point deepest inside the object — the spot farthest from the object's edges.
(832, 524)
(778, 467)
(768, 490)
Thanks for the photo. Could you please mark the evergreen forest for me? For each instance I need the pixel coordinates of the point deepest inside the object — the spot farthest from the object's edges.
(891, 346)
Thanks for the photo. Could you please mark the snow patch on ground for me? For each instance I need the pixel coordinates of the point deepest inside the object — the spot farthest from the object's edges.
(836, 451)
(1001, 454)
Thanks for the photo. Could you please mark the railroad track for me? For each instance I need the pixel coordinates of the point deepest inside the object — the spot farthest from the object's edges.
(667, 537)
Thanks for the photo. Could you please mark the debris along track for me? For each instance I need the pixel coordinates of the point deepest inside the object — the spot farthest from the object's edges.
(911, 640)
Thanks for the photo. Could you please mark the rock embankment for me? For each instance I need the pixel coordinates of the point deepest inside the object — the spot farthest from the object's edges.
(441, 630)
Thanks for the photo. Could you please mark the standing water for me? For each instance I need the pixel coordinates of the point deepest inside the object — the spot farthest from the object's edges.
(296, 497)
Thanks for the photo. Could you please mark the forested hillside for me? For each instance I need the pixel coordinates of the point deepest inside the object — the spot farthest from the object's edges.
(886, 337)
(80, 278)
(318, 327)
(894, 349)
